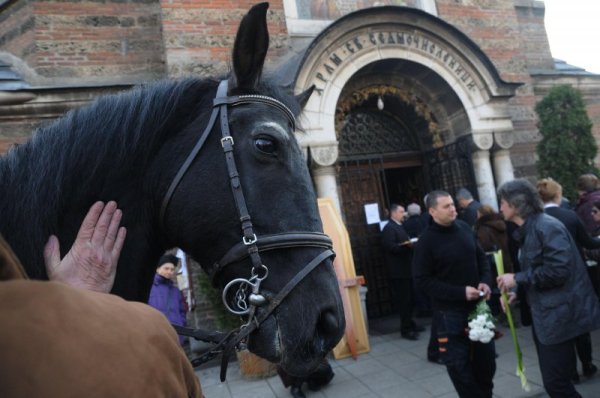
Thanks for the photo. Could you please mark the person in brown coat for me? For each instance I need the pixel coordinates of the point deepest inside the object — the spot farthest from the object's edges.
(490, 229)
(58, 340)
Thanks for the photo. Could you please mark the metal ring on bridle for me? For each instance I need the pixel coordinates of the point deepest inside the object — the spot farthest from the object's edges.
(254, 274)
(244, 283)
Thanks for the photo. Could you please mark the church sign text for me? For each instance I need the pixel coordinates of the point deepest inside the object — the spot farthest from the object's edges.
(405, 40)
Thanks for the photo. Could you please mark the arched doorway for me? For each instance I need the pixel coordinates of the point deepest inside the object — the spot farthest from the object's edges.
(380, 163)
(445, 111)
(391, 150)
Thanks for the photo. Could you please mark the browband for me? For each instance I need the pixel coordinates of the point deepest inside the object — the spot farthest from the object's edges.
(271, 242)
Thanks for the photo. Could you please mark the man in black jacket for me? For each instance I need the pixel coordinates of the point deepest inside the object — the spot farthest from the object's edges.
(468, 206)
(553, 278)
(398, 255)
(453, 269)
(550, 192)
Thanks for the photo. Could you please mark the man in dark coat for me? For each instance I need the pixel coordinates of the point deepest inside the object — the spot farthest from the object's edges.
(550, 192)
(468, 206)
(553, 278)
(413, 225)
(398, 255)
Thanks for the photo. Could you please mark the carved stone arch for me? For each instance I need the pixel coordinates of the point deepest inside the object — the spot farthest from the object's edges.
(370, 36)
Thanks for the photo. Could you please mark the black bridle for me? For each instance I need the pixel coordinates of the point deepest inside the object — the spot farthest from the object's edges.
(248, 297)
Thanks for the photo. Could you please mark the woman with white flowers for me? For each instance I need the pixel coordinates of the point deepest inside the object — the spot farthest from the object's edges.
(554, 281)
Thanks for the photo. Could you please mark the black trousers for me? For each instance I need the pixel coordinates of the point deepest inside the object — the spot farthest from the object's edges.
(433, 348)
(471, 365)
(583, 346)
(402, 291)
(556, 363)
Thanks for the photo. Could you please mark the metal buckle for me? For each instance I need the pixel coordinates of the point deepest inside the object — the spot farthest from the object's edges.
(224, 139)
(249, 241)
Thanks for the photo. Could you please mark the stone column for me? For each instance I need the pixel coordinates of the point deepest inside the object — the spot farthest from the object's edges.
(503, 167)
(483, 169)
(326, 182)
(485, 178)
(324, 158)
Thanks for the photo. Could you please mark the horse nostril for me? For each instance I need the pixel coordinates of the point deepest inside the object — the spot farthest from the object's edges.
(328, 324)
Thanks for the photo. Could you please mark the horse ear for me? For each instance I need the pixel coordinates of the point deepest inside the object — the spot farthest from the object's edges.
(303, 97)
(250, 48)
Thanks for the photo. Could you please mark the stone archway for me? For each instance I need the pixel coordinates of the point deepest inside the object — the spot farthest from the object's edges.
(439, 55)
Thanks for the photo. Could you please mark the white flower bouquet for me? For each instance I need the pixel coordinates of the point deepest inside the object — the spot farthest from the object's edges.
(481, 323)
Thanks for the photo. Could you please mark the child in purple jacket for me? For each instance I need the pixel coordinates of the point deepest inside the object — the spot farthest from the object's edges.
(165, 296)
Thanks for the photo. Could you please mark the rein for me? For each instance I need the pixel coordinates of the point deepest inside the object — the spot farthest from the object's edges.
(247, 298)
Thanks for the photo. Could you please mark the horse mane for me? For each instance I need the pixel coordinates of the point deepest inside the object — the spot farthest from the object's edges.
(81, 158)
(88, 155)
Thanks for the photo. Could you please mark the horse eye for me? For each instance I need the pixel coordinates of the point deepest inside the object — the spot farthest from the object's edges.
(266, 145)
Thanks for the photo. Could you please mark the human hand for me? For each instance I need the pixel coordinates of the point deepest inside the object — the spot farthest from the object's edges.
(471, 293)
(485, 289)
(512, 297)
(92, 261)
(506, 282)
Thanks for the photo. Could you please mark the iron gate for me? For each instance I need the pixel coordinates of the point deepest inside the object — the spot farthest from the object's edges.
(451, 167)
(361, 183)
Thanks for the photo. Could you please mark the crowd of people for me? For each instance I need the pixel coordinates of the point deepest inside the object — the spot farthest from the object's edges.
(550, 252)
(550, 249)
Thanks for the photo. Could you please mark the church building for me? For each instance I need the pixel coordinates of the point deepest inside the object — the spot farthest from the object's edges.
(411, 95)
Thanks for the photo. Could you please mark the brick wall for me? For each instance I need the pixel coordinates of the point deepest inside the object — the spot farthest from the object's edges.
(497, 29)
(86, 42)
(532, 33)
(199, 35)
(16, 29)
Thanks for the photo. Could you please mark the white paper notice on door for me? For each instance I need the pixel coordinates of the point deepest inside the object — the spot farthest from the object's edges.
(372, 213)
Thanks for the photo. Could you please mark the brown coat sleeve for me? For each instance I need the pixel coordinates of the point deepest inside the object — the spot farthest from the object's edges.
(59, 341)
(10, 266)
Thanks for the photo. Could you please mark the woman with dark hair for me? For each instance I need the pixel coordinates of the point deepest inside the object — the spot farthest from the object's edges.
(554, 282)
(490, 229)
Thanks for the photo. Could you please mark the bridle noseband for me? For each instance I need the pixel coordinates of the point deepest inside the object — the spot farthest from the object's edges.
(248, 298)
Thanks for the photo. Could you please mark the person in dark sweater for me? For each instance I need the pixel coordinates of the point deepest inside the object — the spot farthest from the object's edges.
(451, 267)
(398, 254)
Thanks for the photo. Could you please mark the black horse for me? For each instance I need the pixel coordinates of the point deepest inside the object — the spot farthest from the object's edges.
(129, 147)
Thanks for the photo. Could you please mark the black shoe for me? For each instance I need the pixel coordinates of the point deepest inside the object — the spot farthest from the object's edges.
(297, 392)
(437, 360)
(410, 335)
(418, 328)
(589, 369)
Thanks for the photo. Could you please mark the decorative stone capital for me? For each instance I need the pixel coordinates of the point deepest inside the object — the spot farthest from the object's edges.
(324, 155)
(504, 139)
(483, 141)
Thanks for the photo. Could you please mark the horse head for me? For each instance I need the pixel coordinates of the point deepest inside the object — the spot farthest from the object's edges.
(203, 214)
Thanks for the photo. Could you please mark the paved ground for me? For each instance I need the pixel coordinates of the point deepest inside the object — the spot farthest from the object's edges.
(396, 367)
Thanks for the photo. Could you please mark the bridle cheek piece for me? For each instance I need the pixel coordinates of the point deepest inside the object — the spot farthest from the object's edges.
(243, 296)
